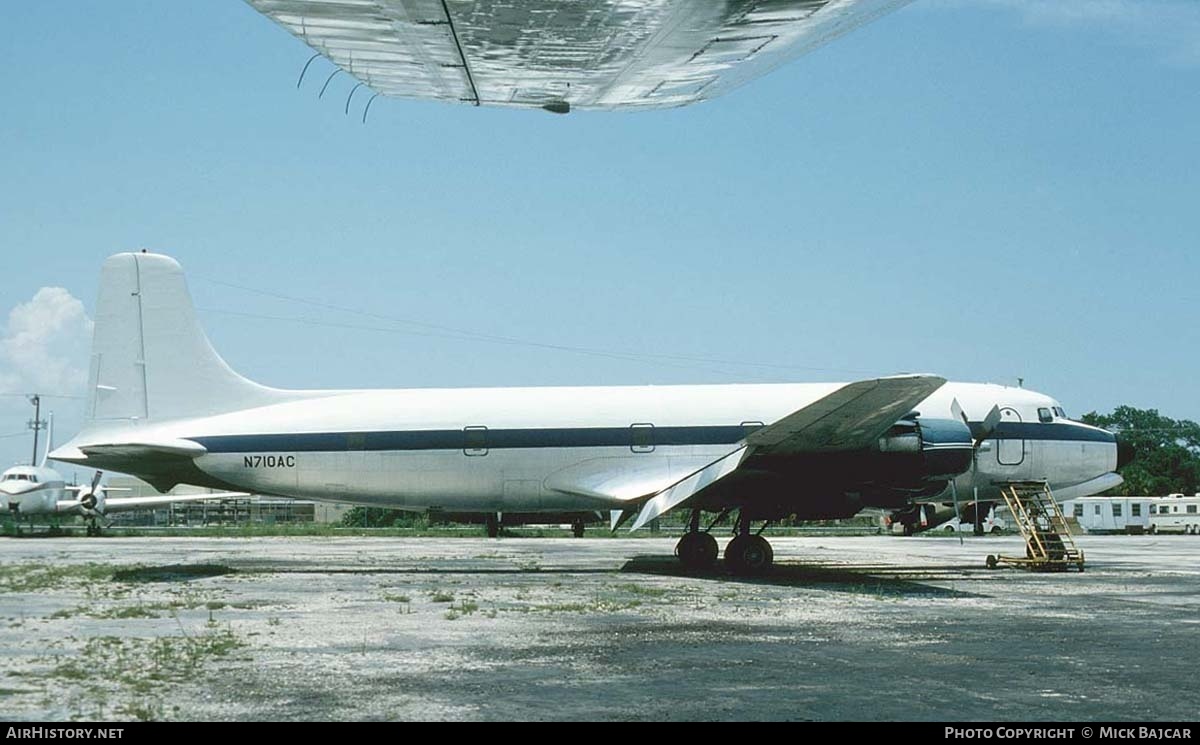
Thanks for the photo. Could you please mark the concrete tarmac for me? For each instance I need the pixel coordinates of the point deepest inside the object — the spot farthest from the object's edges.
(873, 628)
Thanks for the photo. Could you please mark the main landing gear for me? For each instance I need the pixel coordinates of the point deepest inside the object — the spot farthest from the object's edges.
(696, 550)
(747, 554)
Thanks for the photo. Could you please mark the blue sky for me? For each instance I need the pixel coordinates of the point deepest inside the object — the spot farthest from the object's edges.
(987, 190)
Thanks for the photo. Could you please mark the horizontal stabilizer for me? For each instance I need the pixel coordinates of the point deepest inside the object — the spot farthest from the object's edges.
(135, 449)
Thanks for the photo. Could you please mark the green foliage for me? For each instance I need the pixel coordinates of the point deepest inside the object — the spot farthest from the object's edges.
(1167, 451)
(375, 517)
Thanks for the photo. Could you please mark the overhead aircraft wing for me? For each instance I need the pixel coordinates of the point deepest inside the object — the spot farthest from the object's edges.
(851, 418)
(565, 54)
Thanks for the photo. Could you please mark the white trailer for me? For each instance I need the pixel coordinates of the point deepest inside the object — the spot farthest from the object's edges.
(1114, 514)
(1176, 513)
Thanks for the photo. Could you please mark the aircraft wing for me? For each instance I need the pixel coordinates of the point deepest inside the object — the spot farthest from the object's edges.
(851, 418)
(124, 504)
(565, 54)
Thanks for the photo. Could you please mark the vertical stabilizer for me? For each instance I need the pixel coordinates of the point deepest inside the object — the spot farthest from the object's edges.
(49, 439)
(150, 358)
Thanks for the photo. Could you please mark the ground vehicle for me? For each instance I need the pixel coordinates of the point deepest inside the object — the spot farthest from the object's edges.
(1176, 513)
(1114, 514)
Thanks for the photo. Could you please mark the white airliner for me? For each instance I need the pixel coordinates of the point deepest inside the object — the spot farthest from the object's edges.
(164, 406)
(33, 491)
(562, 55)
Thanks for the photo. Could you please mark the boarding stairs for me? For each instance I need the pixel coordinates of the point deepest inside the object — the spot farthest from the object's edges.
(1049, 546)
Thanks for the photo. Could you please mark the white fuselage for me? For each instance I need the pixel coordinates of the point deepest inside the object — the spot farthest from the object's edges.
(31, 490)
(556, 449)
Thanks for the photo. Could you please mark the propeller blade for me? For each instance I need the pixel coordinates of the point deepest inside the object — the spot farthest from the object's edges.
(957, 412)
(96, 480)
(990, 422)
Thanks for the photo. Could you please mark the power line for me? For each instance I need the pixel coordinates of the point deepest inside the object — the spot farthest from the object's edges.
(361, 327)
(43, 395)
(469, 335)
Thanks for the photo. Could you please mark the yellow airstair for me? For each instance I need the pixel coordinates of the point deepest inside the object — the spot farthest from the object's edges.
(1048, 543)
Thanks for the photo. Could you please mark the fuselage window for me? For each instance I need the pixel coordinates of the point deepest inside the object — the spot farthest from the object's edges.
(1044, 415)
(475, 441)
(641, 438)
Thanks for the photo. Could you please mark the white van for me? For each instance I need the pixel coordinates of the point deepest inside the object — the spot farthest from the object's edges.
(1176, 514)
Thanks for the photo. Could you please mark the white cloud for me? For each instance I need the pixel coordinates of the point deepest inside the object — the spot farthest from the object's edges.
(44, 345)
(1170, 28)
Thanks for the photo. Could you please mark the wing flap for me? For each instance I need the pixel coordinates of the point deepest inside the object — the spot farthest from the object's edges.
(675, 495)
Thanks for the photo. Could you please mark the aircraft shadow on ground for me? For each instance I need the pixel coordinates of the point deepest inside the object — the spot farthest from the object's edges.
(859, 580)
(171, 572)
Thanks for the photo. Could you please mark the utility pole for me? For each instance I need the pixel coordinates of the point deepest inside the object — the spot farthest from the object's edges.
(36, 424)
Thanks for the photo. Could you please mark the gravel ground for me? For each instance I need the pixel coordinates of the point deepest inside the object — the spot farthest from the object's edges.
(870, 628)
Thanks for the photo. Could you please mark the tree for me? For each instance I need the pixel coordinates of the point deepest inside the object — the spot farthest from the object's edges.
(1167, 451)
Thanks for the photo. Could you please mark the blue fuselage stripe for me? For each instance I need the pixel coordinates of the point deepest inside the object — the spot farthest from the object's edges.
(500, 439)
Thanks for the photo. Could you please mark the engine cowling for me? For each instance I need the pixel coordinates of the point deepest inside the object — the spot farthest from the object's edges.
(929, 450)
(91, 503)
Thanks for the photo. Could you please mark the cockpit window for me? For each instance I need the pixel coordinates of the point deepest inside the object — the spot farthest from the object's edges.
(1060, 412)
(1044, 415)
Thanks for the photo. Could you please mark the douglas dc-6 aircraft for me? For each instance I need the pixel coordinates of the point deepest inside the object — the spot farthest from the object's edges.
(164, 406)
(562, 55)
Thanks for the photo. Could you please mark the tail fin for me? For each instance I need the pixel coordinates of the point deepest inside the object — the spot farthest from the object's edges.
(150, 358)
(49, 439)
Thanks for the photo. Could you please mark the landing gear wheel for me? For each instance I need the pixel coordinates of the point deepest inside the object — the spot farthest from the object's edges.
(697, 550)
(577, 529)
(493, 526)
(992, 562)
(749, 555)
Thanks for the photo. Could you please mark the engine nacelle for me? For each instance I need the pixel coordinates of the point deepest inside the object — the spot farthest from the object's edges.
(91, 504)
(929, 449)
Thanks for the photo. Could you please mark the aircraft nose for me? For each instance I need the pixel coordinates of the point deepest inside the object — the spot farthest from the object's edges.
(1125, 452)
